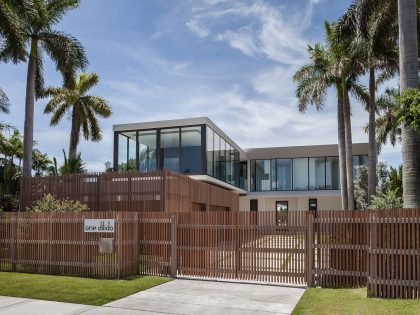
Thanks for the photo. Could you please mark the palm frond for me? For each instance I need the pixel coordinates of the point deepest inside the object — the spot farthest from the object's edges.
(4, 103)
(58, 8)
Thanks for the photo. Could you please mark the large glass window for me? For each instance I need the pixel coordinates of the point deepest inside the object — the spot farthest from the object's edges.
(300, 174)
(147, 150)
(229, 164)
(262, 175)
(317, 173)
(191, 161)
(216, 168)
(243, 175)
(127, 151)
(332, 172)
(169, 149)
(210, 149)
(284, 174)
(222, 159)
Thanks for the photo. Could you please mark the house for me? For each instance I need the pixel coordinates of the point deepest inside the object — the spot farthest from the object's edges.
(280, 178)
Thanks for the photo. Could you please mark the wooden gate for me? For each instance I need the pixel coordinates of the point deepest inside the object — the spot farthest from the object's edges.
(264, 246)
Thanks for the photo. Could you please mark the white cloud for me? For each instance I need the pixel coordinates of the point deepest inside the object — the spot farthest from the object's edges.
(197, 29)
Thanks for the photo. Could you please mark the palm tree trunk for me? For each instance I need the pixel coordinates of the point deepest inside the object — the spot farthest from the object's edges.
(409, 79)
(342, 148)
(373, 149)
(349, 149)
(28, 134)
(74, 134)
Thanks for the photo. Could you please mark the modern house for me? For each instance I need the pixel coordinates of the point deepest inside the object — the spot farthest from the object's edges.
(280, 178)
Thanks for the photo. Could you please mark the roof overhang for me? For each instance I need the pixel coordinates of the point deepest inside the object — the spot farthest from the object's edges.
(219, 183)
(300, 193)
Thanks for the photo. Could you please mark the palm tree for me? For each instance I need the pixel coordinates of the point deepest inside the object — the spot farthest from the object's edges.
(331, 66)
(409, 67)
(41, 162)
(374, 38)
(388, 128)
(85, 109)
(4, 102)
(29, 32)
(396, 180)
(72, 166)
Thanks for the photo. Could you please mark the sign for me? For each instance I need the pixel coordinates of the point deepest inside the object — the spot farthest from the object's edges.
(99, 225)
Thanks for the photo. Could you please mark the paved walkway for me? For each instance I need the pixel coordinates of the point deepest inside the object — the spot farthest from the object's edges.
(176, 297)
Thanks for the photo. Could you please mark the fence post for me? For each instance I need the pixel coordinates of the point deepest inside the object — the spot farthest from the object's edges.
(237, 249)
(15, 219)
(310, 250)
(174, 254)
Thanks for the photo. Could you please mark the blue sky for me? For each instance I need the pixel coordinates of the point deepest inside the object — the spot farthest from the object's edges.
(229, 60)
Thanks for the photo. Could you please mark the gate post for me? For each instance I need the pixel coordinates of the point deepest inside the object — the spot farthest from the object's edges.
(310, 250)
(174, 254)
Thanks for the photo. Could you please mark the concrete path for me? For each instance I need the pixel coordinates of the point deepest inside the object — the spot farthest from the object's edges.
(176, 297)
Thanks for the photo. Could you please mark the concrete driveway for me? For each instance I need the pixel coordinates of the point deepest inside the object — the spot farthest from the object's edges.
(180, 297)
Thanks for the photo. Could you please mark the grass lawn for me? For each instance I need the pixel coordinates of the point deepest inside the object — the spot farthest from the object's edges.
(351, 301)
(72, 289)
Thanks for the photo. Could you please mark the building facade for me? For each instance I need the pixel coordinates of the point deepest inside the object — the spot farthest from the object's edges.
(281, 178)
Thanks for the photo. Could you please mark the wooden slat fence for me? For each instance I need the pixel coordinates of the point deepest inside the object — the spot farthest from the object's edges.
(377, 248)
(55, 243)
(394, 268)
(156, 191)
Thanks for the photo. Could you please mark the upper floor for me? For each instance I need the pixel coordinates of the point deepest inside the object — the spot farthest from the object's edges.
(199, 148)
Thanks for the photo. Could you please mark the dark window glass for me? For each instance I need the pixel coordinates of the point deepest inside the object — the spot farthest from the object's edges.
(243, 175)
(262, 175)
(169, 149)
(147, 150)
(313, 204)
(273, 175)
(229, 164)
(300, 174)
(210, 149)
(332, 173)
(191, 150)
(253, 205)
(217, 171)
(222, 160)
(284, 174)
(122, 152)
(317, 173)
(253, 175)
(127, 151)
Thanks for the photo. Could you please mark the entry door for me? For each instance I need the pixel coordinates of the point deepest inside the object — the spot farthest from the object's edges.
(281, 212)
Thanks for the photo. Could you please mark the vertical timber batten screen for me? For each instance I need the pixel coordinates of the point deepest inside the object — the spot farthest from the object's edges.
(133, 191)
(55, 243)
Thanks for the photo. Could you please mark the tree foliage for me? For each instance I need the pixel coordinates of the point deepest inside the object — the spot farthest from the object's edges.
(409, 108)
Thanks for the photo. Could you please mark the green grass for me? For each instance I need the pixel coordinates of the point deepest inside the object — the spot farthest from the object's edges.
(72, 289)
(351, 301)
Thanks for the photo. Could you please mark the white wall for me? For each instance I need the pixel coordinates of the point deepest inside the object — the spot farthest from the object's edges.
(295, 203)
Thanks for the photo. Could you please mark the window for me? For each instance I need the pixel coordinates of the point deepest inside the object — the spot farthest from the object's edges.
(284, 174)
(216, 156)
(262, 175)
(253, 205)
(210, 149)
(300, 174)
(317, 173)
(127, 151)
(332, 172)
(243, 175)
(191, 150)
(222, 160)
(147, 150)
(169, 149)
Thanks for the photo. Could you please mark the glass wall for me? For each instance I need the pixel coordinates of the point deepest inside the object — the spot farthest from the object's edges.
(169, 149)
(300, 174)
(284, 174)
(147, 150)
(180, 150)
(127, 151)
(222, 158)
(191, 150)
(317, 173)
(332, 173)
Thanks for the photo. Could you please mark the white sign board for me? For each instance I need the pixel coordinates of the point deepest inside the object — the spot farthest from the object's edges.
(99, 225)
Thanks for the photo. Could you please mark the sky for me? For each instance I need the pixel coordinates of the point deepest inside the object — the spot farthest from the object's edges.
(230, 60)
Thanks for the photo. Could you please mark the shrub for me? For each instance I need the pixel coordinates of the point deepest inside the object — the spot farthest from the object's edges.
(9, 202)
(409, 108)
(386, 200)
(50, 204)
